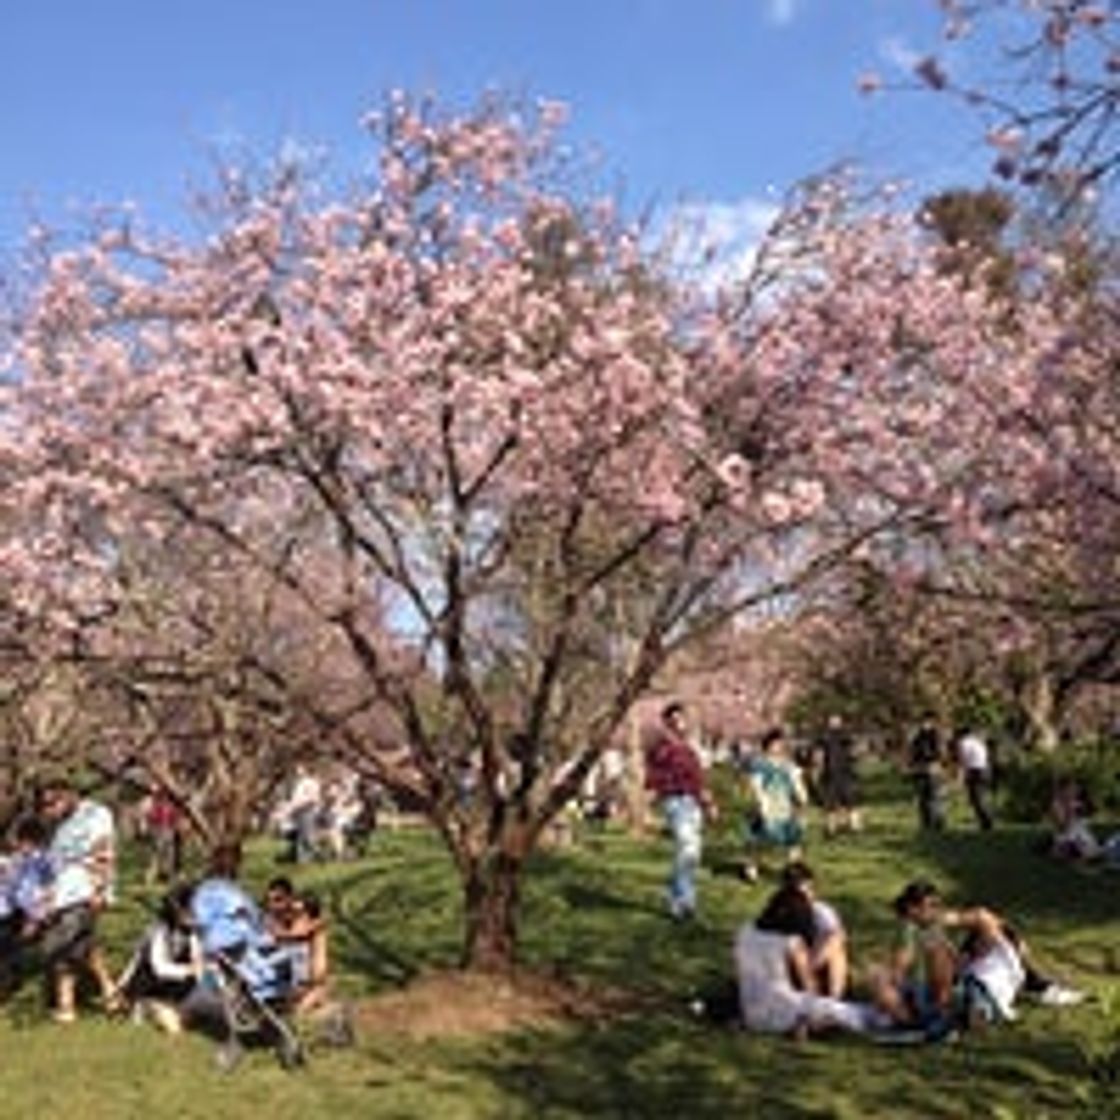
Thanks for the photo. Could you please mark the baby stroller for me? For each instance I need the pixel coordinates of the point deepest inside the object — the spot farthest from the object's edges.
(248, 981)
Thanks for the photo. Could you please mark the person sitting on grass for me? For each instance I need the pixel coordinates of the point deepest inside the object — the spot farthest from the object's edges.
(828, 948)
(778, 987)
(916, 989)
(778, 795)
(83, 853)
(297, 922)
(167, 964)
(935, 986)
(1071, 810)
(25, 896)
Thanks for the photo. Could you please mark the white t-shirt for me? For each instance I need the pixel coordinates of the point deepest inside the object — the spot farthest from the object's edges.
(769, 1001)
(1001, 972)
(973, 752)
(826, 921)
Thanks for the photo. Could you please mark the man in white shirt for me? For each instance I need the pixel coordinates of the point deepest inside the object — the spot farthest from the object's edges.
(975, 764)
(83, 854)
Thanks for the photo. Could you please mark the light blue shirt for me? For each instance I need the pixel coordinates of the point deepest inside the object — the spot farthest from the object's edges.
(80, 876)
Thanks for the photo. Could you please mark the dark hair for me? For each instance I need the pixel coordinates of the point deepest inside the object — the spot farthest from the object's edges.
(774, 735)
(788, 911)
(913, 894)
(31, 830)
(312, 907)
(282, 884)
(225, 860)
(796, 874)
(176, 904)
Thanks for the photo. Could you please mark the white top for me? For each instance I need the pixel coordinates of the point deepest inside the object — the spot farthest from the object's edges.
(1000, 970)
(162, 958)
(826, 921)
(767, 997)
(973, 752)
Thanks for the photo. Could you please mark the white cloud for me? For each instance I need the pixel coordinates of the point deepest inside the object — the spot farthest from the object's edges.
(895, 51)
(717, 242)
(781, 13)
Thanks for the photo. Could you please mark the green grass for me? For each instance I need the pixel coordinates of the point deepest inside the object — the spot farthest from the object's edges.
(595, 913)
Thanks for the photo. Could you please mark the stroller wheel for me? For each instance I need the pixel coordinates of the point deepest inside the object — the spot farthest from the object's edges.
(289, 1051)
(228, 1056)
(337, 1029)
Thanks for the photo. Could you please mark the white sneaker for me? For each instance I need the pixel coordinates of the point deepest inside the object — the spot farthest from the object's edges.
(1056, 996)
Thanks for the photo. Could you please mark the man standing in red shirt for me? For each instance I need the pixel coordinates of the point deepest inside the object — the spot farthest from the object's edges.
(676, 778)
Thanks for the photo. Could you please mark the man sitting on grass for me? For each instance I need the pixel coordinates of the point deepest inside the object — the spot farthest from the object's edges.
(934, 986)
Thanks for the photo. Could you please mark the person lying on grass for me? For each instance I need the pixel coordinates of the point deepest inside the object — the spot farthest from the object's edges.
(935, 986)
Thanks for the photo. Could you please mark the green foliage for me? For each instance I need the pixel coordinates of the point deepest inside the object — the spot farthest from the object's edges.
(1028, 781)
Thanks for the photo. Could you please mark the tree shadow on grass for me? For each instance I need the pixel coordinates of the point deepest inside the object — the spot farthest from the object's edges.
(649, 1068)
(373, 935)
(659, 1066)
(1001, 870)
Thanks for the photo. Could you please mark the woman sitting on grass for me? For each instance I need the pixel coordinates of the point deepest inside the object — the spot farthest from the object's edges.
(778, 990)
(167, 964)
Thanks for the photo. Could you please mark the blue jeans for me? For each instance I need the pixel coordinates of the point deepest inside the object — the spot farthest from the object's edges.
(685, 822)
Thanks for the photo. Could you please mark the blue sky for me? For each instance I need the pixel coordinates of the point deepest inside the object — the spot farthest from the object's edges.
(714, 102)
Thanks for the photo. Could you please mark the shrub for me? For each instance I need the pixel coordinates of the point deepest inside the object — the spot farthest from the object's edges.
(1028, 781)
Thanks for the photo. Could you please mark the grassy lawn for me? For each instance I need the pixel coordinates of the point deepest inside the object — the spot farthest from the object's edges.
(594, 914)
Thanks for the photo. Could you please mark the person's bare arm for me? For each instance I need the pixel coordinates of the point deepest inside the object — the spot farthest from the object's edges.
(801, 966)
(977, 919)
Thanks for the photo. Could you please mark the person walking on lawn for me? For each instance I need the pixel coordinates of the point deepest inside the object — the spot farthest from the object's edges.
(675, 777)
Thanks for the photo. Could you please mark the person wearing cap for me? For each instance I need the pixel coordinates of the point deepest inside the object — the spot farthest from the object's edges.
(83, 853)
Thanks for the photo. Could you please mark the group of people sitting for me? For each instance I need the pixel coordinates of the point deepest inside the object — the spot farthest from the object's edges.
(58, 877)
(793, 970)
(54, 884)
(278, 949)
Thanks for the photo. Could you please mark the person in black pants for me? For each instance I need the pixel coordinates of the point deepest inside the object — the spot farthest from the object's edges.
(975, 763)
(925, 769)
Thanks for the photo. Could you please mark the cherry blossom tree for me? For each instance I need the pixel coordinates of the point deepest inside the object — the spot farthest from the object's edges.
(1011, 595)
(499, 462)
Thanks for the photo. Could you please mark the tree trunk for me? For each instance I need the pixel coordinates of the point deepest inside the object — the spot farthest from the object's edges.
(1040, 710)
(491, 900)
(636, 798)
